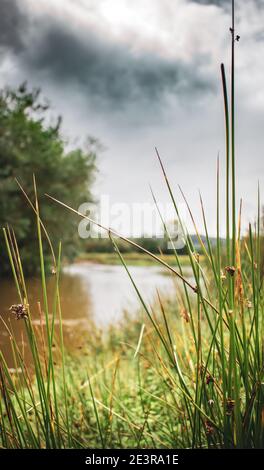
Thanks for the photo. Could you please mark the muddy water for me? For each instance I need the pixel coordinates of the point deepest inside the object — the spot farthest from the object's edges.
(89, 293)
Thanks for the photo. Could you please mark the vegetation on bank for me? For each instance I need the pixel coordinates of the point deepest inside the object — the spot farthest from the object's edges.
(131, 258)
(30, 143)
(186, 374)
(164, 379)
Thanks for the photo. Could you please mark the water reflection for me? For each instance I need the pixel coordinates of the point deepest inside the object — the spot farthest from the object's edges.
(110, 289)
(88, 292)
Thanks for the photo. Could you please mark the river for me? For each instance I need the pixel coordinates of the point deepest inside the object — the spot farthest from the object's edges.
(89, 293)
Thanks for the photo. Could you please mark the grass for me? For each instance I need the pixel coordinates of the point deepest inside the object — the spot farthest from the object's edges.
(187, 374)
(132, 259)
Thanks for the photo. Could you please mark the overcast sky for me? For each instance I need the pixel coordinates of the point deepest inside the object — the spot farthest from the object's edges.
(145, 73)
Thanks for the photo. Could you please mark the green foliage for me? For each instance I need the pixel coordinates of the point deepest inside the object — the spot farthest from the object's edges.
(30, 145)
(154, 245)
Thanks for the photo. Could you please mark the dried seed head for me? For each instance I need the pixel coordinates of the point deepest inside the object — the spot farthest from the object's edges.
(209, 379)
(229, 406)
(185, 315)
(230, 270)
(19, 310)
(209, 427)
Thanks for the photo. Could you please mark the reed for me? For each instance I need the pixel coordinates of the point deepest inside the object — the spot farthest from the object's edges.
(187, 373)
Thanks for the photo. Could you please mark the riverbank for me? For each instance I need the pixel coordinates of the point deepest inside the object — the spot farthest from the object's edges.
(152, 380)
(90, 292)
(132, 259)
(117, 391)
(119, 394)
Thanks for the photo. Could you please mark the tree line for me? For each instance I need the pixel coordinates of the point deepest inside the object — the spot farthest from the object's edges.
(31, 144)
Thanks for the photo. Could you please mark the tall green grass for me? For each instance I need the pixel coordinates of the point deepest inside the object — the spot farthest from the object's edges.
(187, 373)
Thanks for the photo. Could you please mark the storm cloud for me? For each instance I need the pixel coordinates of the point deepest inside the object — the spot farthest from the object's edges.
(109, 72)
(212, 2)
(104, 71)
(223, 3)
(13, 26)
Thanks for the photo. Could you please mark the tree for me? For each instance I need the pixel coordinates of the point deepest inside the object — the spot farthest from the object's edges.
(30, 145)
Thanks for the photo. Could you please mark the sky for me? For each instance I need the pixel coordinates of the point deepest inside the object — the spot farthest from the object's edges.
(145, 74)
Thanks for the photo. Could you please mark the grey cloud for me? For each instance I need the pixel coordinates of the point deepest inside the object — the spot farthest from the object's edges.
(212, 2)
(107, 72)
(225, 3)
(13, 24)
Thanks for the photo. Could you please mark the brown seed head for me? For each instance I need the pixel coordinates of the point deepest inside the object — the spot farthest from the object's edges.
(209, 427)
(229, 406)
(230, 270)
(19, 310)
(209, 379)
(185, 315)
